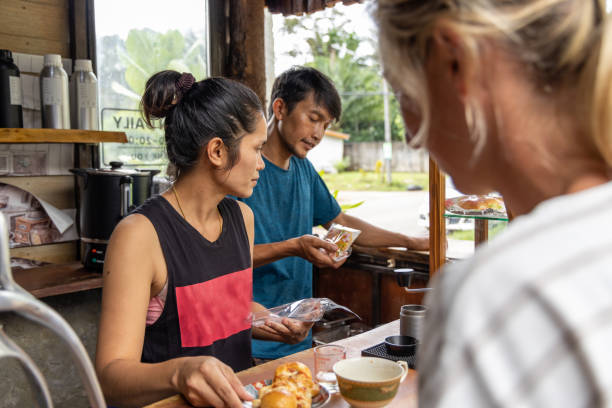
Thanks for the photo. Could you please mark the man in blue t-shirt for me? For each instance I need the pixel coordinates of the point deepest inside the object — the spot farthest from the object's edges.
(290, 198)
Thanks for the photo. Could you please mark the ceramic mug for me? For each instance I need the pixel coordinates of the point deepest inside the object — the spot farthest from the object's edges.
(369, 382)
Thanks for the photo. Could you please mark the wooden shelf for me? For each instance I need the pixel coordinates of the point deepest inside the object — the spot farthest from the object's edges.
(26, 135)
(51, 280)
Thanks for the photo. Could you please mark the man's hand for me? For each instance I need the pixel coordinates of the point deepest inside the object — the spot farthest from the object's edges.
(418, 244)
(317, 251)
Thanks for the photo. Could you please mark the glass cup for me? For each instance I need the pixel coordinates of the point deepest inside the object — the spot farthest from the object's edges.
(325, 357)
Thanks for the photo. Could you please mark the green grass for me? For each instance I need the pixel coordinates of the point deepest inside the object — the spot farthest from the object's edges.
(371, 181)
(495, 227)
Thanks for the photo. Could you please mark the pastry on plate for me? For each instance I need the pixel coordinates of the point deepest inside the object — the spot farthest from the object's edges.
(476, 203)
(292, 387)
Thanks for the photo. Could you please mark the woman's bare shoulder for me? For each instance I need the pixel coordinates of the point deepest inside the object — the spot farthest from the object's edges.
(247, 213)
(135, 225)
(134, 243)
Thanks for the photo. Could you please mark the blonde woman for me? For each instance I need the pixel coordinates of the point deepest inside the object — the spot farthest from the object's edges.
(514, 96)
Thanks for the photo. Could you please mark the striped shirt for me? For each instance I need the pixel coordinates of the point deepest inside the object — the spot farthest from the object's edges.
(527, 321)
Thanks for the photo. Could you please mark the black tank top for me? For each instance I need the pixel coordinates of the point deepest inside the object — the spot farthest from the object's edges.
(210, 288)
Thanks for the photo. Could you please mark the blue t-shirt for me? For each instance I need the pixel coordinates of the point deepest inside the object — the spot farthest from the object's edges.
(287, 204)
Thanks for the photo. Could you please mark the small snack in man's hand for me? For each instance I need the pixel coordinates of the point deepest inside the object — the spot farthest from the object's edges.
(343, 237)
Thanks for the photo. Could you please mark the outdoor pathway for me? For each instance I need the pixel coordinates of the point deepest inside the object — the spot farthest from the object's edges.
(398, 211)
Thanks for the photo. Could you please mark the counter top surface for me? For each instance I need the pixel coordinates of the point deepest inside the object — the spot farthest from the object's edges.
(406, 396)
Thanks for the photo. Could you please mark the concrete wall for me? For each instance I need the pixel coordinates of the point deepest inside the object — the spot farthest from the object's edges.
(82, 311)
(327, 154)
(363, 155)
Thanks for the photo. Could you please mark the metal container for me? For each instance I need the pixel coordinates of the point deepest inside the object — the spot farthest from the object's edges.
(54, 95)
(332, 327)
(10, 92)
(412, 318)
(84, 97)
(105, 197)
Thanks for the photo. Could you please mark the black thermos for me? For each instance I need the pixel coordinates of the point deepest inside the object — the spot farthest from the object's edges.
(10, 92)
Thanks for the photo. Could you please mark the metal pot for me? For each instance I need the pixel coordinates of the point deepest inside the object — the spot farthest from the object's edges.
(108, 195)
(105, 196)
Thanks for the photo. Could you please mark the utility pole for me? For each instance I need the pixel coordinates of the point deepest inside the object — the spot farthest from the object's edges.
(387, 146)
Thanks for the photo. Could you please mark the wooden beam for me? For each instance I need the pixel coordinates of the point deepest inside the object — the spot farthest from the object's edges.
(28, 135)
(437, 223)
(78, 29)
(58, 253)
(246, 58)
(37, 46)
(55, 280)
(481, 231)
(35, 27)
(218, 35)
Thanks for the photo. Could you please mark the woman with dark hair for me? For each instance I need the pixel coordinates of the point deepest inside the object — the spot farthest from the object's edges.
(177, 294)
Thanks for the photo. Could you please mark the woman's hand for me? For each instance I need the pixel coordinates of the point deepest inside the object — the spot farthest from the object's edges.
(288, 331)
(206, 381)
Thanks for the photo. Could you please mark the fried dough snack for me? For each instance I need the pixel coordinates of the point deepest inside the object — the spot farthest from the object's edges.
(292, 387)
(481, 203)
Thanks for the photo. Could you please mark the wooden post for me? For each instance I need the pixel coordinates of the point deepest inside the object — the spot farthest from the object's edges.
(437, 223)
(481, 231)
(246, 57)
(79, 35)
(218, 30)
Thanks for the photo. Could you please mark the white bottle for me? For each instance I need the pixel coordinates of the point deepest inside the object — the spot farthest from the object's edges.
(84, 96)
(54, 99)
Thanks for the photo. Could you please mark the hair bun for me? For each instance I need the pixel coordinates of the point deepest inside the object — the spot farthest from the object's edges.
(160, 95)
(185, 82)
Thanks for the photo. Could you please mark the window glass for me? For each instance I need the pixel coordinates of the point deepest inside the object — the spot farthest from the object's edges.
(353, 158)
(341, 42)
(136, 39)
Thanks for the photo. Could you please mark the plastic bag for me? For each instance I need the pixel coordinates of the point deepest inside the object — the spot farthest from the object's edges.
(343, 237)
(305, 310)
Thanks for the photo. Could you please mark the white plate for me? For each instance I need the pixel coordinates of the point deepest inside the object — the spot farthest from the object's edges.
(317, 401)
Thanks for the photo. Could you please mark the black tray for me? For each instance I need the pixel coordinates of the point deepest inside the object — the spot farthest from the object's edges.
(380, 350)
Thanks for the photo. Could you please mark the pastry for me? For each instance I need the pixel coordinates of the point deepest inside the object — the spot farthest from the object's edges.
(481, 203)
(292, 387)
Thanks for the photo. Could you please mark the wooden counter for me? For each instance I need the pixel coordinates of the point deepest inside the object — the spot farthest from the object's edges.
(52, 280)
(367, 284)
(406, 396)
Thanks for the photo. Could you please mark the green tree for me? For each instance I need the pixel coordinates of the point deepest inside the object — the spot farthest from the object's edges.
(125, 67)
(148, 52)
(334, 49)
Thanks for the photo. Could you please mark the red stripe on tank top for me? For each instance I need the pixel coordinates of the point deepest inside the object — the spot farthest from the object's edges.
(215, 309)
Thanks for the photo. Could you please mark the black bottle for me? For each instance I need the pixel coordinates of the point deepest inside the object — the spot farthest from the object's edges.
(10, 92)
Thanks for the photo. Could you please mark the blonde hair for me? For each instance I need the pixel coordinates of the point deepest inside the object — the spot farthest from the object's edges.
(563, 44)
